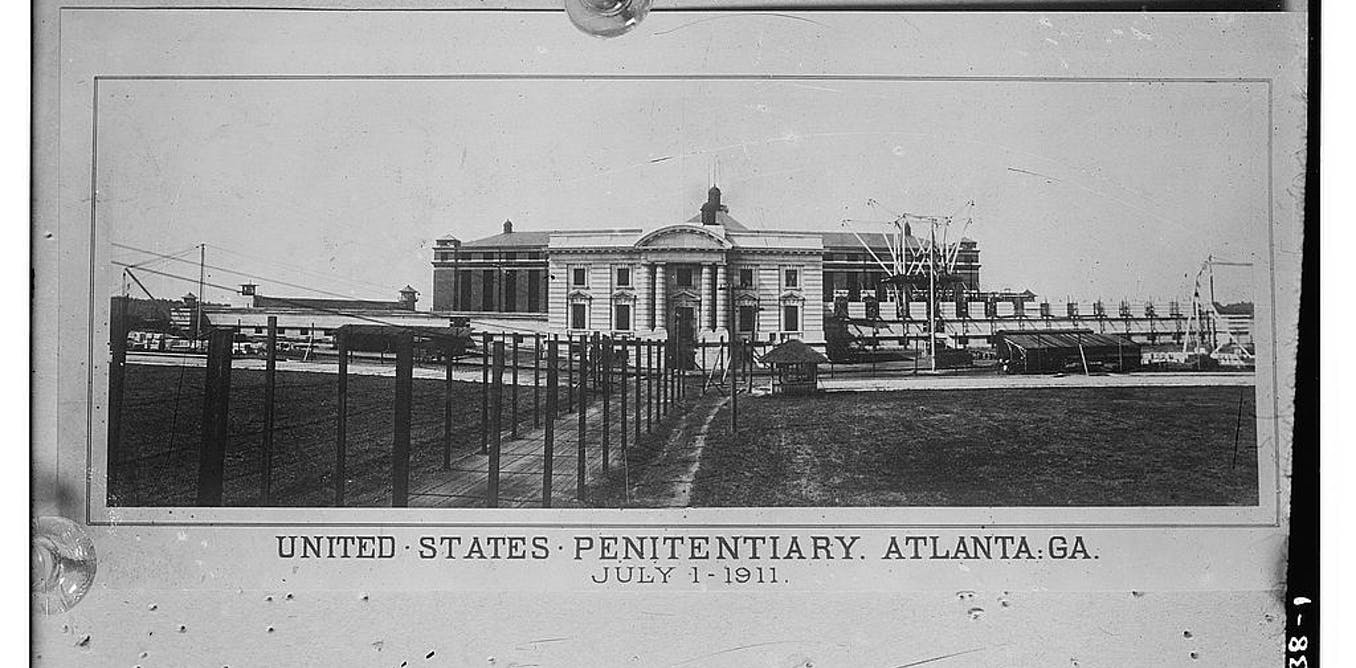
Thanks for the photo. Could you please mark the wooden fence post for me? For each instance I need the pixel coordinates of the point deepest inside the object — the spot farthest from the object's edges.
(704, 370)
(583, 390)
(341, 428)
(639, 398)
(513, 412)
(663, 361)
(749, 369)
(553, 408)
(497, 382)
(536, 381)
(117, 369)
(484, 392)
(552, 386)
(216, 410)
(581, 462)
(621, 412)
(679, 368)
(270, 397)
(569, 371)
(605, 360)
(649, 387)
(448, 346)
(734, 385)
(404, 398)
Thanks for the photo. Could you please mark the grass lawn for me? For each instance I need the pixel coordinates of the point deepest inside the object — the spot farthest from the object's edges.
(1152, 446)
(162, 414)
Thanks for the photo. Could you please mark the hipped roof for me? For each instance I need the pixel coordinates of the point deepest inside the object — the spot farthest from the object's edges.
(1062, 338)
(794, 351)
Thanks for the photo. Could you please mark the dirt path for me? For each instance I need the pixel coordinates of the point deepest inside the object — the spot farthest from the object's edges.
(666, 481)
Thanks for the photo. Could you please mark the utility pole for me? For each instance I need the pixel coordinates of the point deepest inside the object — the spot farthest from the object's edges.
(202, 279)
(932, 294)
(733, 363)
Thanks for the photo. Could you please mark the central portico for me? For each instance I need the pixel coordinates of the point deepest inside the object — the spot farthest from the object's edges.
(697, 281)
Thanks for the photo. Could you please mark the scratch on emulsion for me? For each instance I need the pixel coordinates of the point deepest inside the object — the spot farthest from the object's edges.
(741, 648)
(731, 16)
(942, 657)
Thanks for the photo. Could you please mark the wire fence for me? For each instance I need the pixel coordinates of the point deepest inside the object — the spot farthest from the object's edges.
(550, 416)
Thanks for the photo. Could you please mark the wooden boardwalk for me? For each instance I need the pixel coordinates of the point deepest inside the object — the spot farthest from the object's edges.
(522, 463)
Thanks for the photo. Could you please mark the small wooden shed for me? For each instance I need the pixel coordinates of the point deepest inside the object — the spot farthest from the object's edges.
(795, 367)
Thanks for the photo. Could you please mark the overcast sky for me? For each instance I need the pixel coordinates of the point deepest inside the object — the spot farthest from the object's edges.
(1088, 190)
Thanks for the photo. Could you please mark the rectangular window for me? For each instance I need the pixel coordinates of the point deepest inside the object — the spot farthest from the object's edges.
(792, 278)
(746, 278)
(487, 256)
(579, 316)
(534, 291)
(683, 277)
(579, 277)
(487, 290)
(304, 331)
(748, 318)
(510, 256)
(510, 291)
(464, 287)
(621, 317)
(790, 318)
(258, 330)
(623, 277)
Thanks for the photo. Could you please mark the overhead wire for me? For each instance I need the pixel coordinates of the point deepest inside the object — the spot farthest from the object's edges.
(299, 269)
(236, 272)
(310, 306)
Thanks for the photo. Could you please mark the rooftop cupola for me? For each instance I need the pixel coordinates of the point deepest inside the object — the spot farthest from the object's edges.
(712, 206)
(408, 297)
(508, 227)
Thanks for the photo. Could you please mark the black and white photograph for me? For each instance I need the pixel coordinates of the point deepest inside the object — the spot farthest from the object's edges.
(672, 333)
(676, 292)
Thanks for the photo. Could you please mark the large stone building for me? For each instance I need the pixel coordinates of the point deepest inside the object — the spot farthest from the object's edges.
(697, 279)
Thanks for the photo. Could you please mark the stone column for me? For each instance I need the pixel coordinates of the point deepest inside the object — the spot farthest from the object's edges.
(661, 302)
(706, 321)
(644, 303)
(723, 288)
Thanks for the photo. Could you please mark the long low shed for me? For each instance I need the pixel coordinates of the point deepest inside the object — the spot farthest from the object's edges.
(1056, 350)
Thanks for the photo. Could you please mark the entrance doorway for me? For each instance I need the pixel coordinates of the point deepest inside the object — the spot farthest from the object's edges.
(685, 334)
